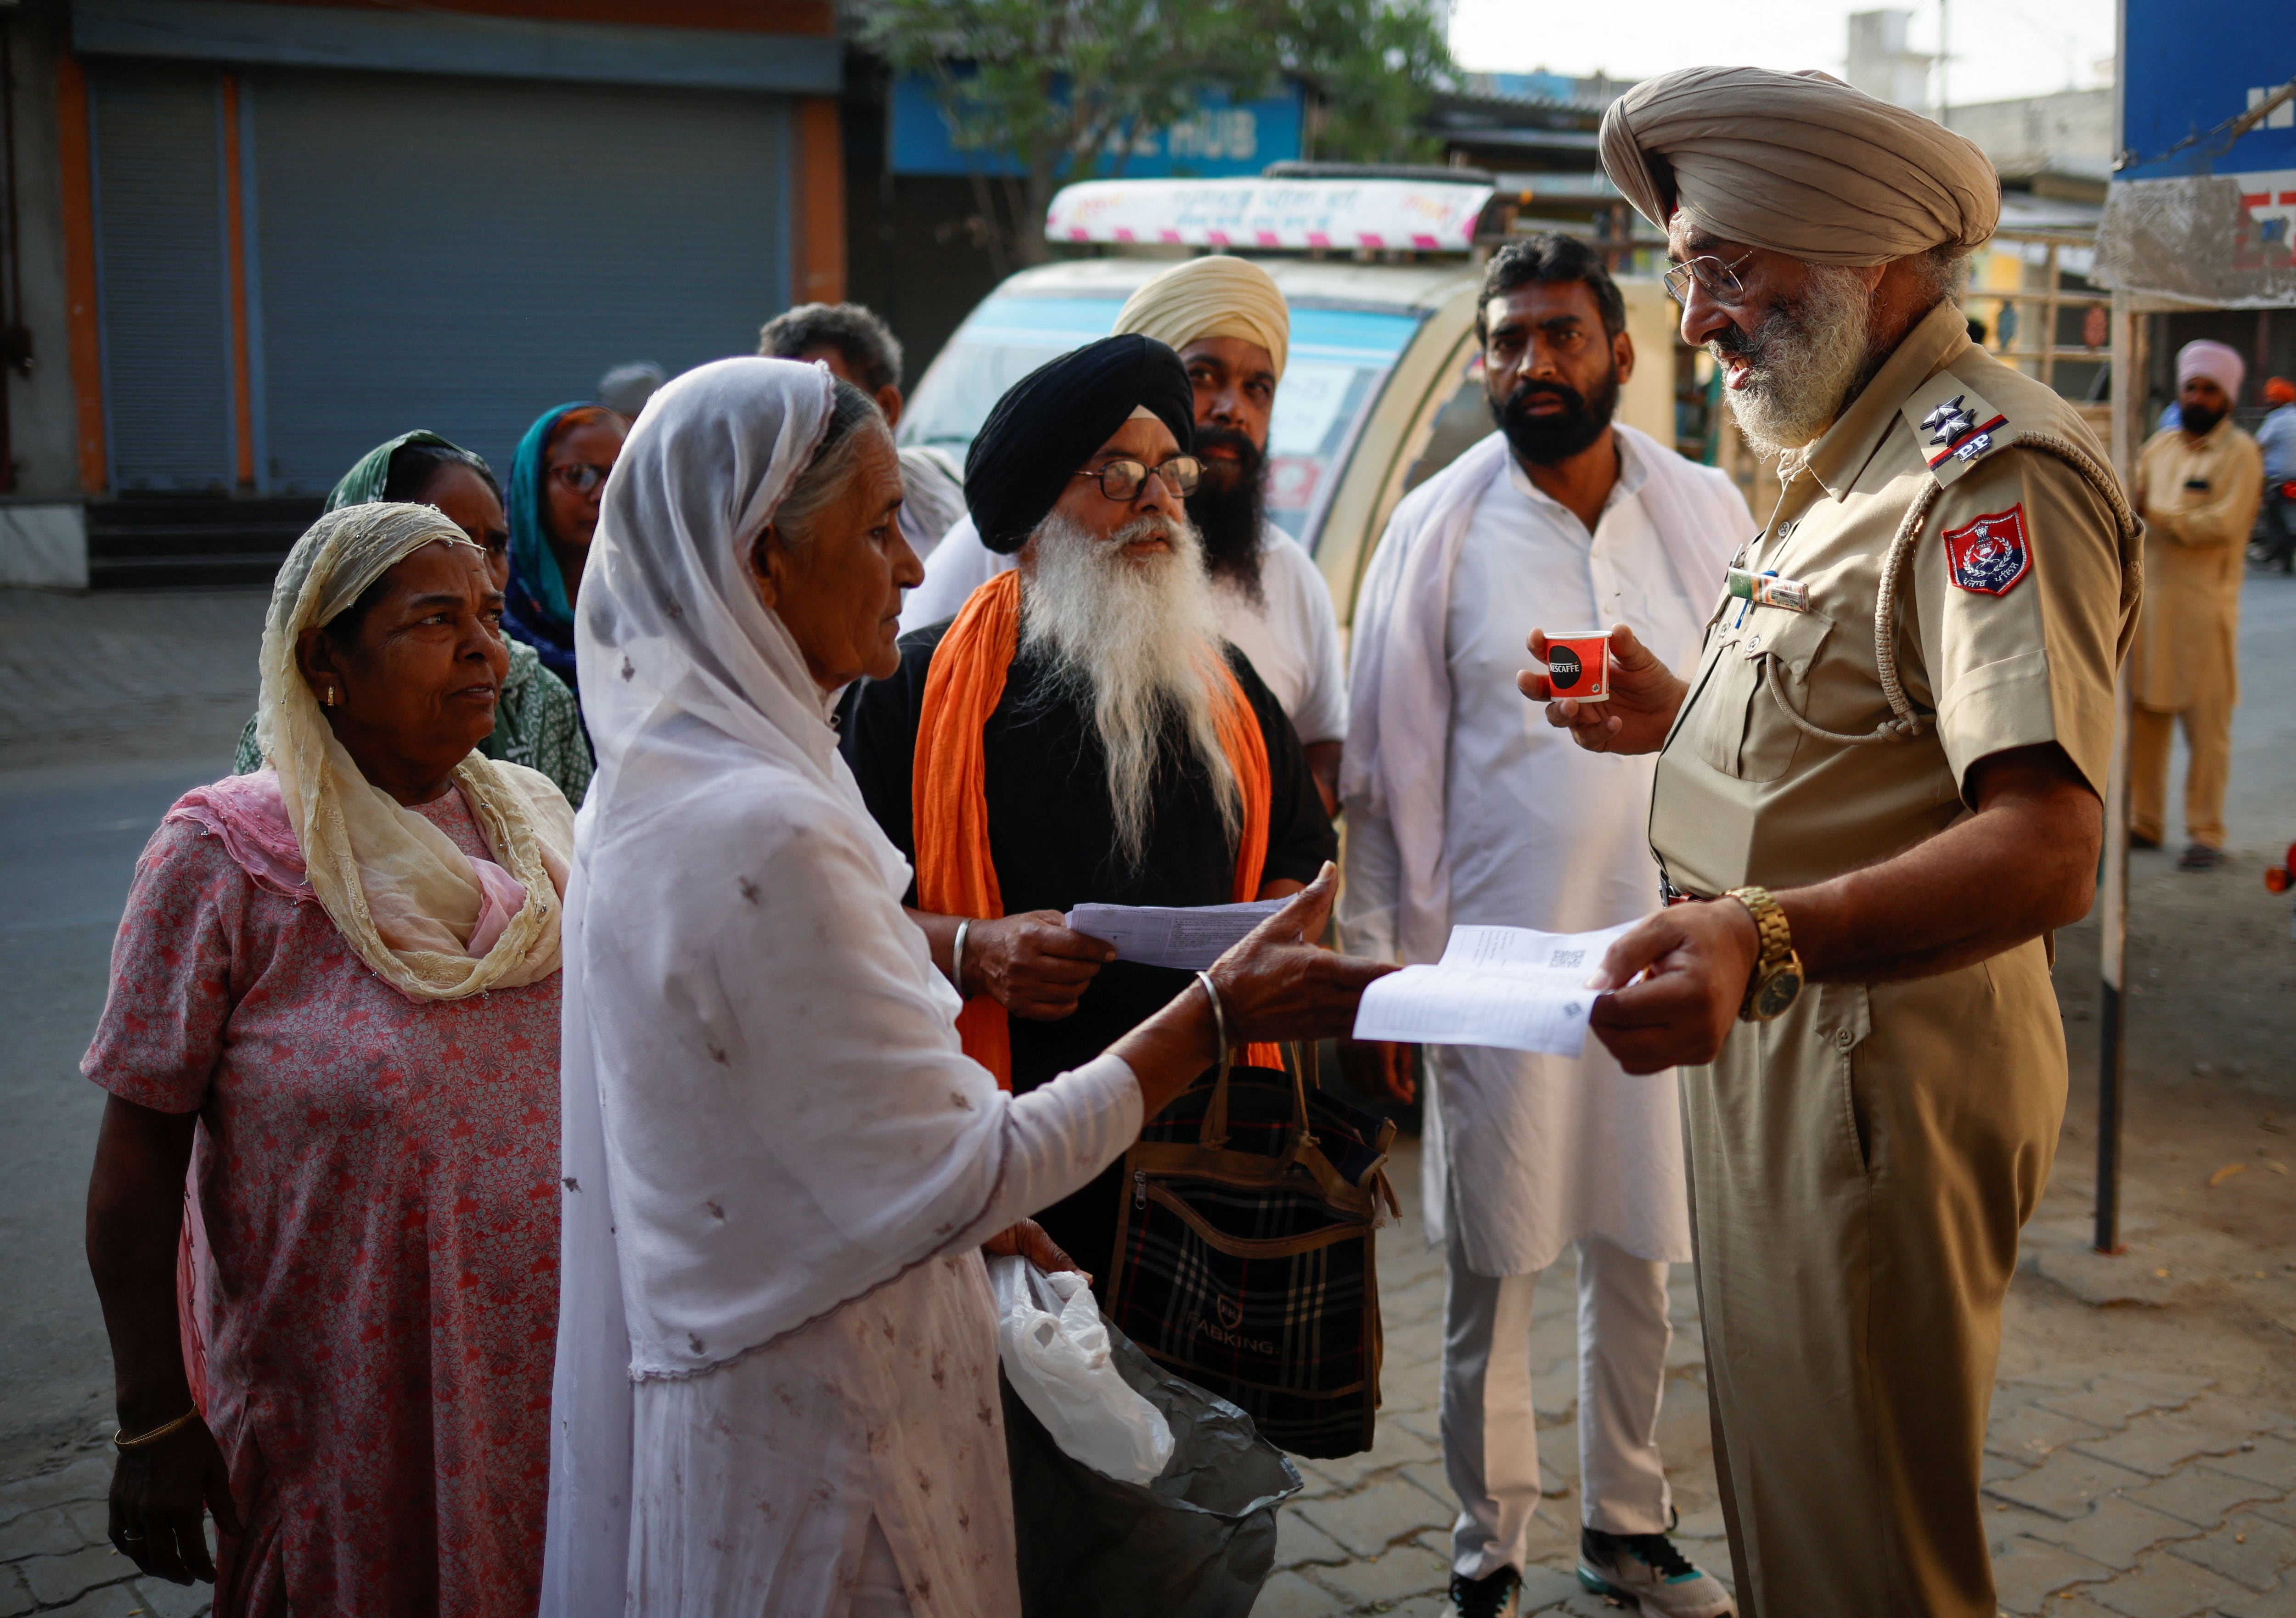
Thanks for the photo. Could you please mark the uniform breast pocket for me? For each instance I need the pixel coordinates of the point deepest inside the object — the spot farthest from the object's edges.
(1738, 726)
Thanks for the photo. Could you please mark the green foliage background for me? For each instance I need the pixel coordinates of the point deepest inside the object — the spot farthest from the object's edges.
(1130, 66)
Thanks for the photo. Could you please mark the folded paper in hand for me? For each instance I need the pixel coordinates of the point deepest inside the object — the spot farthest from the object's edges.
(1191, 938)
(1494, 985)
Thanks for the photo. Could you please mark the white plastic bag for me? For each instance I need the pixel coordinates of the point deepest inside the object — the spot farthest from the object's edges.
(1055, 1353)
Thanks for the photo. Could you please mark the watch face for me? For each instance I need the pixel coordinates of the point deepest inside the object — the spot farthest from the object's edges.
(1776, 994)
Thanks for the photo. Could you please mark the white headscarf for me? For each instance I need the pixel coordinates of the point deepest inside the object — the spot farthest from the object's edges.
(766, 1110)
(395, 885)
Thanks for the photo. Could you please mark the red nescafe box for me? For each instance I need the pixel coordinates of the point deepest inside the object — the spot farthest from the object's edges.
(1579, 666)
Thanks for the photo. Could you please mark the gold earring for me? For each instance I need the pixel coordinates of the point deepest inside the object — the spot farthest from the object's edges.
(330, 698)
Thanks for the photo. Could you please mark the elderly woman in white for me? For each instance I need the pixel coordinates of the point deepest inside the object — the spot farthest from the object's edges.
(776, 1382)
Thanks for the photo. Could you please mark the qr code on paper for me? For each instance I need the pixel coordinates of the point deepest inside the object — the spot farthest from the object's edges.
(1568, 958)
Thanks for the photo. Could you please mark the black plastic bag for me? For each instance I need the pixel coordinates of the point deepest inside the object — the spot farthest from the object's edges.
(1198, 1542)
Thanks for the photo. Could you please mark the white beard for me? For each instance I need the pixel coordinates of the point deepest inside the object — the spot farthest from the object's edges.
(1805, 357)
(1138, 641)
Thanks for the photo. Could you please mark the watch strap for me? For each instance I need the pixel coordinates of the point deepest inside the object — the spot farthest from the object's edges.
(1774, 935)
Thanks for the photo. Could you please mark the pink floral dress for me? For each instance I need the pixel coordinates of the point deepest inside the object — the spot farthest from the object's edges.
(378, 1182)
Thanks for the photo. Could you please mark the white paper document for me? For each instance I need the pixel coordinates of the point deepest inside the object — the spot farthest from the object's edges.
(1494, 985)
(1191, 938)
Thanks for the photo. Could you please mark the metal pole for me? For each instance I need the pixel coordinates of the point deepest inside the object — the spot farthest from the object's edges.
(2112, 1006)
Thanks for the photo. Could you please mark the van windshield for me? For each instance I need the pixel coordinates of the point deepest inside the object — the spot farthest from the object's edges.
(1339, 358)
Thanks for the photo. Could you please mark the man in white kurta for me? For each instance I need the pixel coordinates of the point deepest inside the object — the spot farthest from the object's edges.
(1228, 321)
(1465, 807)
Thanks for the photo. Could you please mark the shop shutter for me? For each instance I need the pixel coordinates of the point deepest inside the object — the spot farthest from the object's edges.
(162, 272)
(461, 254)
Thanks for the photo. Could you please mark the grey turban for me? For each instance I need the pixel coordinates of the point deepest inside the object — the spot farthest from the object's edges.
(1800, 163)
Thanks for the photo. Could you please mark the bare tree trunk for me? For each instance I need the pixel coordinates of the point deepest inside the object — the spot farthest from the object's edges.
(1035, 196)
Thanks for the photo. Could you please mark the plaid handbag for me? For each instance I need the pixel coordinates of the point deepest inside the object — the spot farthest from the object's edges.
(1244, 1257)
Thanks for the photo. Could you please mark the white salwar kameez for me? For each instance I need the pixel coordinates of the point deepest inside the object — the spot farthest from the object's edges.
(776, 1382)
(1465, 807)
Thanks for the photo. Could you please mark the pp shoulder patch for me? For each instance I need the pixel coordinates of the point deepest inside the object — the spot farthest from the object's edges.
(1990, 556)
(1952, 427)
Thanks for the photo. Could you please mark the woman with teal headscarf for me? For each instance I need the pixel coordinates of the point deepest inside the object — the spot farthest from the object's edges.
(536, 723)
(556, 481)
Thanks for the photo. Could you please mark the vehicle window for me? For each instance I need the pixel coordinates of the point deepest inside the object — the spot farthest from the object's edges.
(1339, 358)
(1464, 420)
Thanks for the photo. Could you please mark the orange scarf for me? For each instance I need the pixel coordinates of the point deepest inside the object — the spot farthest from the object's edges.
(949, 796)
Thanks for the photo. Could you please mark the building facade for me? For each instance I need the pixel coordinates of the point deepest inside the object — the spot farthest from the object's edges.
(257, 237)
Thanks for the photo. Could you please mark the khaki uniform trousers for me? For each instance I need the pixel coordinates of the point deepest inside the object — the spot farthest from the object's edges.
(2207, 722)
(1859, 1169)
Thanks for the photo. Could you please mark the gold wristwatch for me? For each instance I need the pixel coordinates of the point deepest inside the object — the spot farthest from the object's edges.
(1776, 980)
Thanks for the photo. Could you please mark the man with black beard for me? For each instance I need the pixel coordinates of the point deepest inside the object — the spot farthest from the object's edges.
(2198, 487)
(1463, 808)
(1080, 733)
(1227, 320)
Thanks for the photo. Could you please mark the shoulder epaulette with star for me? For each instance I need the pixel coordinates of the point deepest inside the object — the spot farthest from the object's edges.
(1952, 427)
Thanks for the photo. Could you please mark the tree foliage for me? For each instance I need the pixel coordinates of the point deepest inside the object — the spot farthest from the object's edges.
(1064, 88)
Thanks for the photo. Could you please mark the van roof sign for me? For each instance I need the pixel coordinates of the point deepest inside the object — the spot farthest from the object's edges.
(1412, 216)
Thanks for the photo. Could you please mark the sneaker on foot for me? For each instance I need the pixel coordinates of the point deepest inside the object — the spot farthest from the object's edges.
(2200, 857)
(1492, 1596)
(1646, 1569)
(2138, 840)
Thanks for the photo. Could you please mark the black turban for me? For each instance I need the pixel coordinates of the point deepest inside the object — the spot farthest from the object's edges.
(1050, 421)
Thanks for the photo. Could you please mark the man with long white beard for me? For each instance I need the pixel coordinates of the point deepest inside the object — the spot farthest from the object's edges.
(1227, 320)
(1463, 808)
(1876, 794)
(1080, 732)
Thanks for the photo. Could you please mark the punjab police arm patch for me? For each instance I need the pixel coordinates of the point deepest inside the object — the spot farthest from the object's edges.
(1990, 555)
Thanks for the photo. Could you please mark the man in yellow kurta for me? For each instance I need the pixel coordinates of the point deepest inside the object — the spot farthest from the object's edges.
(2198, 487)
(1876, 793)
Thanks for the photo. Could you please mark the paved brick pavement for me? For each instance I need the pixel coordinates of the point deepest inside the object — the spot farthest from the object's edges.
(102, 678)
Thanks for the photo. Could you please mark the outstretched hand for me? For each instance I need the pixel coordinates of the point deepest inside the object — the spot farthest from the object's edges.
(1640, 709)
(1673, 985)
(1278, 984)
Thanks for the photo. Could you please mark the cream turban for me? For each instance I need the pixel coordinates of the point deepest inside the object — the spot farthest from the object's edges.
(1212, 296)
(2219, 363)
(1800, 163)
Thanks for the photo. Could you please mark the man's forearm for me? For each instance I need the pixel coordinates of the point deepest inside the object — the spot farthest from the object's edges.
(2023, 865)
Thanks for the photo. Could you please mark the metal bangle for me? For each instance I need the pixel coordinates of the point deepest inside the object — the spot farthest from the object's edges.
(957, 956)
(120, 1440)
(1219, 1014)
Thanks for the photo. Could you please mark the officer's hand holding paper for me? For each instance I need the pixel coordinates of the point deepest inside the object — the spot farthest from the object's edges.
(1494, 985)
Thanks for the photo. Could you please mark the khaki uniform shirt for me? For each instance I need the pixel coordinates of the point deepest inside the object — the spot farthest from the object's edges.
(2199, 499)
(2012, 614)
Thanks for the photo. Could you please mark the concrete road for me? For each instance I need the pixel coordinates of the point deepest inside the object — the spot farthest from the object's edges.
(110, 708)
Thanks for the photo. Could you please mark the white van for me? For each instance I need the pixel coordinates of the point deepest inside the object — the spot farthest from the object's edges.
(1384, 383)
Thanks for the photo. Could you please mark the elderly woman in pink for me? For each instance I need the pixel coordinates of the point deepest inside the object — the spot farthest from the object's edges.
(334, 1000)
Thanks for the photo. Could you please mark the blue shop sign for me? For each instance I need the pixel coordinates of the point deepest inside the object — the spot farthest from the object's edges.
(1220, 138)
(2185, 70)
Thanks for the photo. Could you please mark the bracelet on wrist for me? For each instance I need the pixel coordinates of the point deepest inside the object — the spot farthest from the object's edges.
(957, 956)
(120, 1440)
(1220, 1017)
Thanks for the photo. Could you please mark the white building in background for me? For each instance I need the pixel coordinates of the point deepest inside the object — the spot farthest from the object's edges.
(1881, 64)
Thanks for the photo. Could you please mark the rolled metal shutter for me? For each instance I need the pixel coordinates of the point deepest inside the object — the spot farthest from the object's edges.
(461, 254)
(162, 276)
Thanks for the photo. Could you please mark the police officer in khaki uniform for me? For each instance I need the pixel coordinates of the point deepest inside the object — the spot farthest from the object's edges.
(1876, 794)
(2198, 487)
